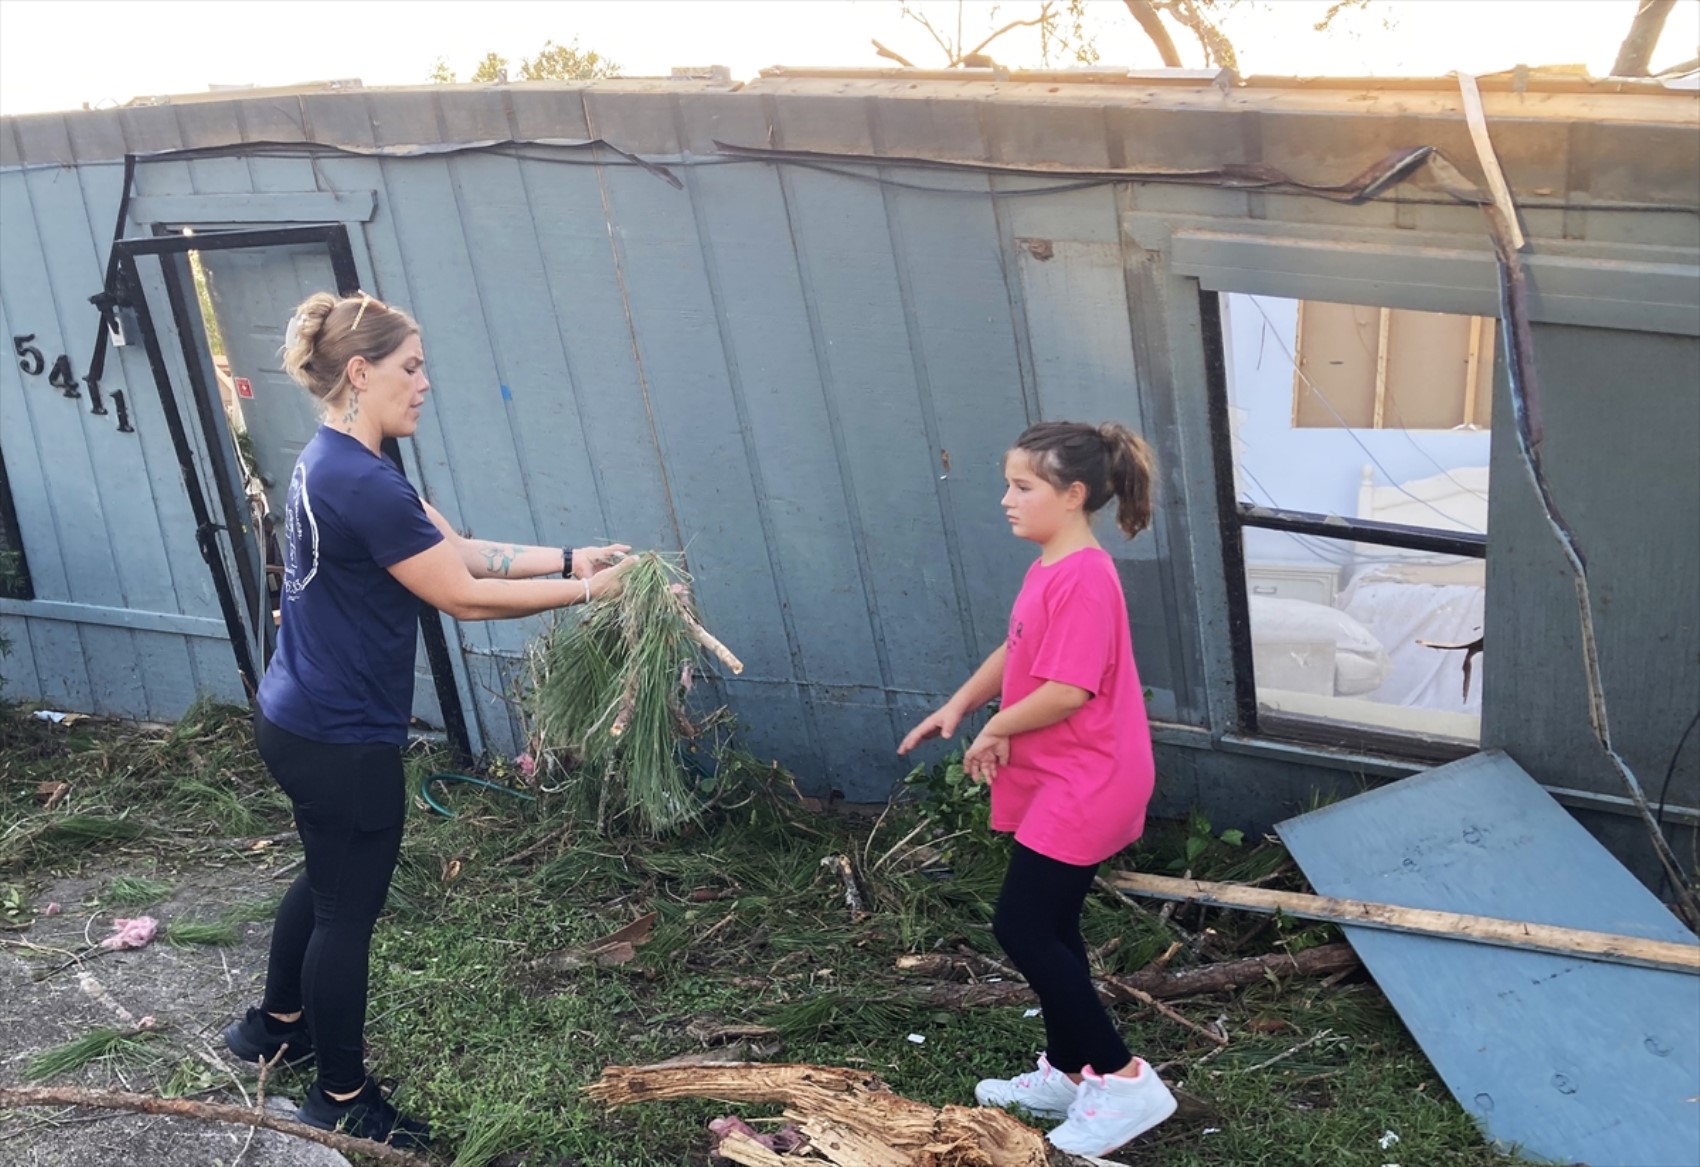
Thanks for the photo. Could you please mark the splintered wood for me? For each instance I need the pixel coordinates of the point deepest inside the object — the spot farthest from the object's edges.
(850, 1117)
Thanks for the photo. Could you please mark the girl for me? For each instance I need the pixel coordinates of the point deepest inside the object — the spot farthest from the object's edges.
(361, 551)
(1069, 761)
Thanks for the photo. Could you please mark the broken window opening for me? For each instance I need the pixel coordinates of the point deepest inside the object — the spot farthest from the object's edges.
(1359, 471)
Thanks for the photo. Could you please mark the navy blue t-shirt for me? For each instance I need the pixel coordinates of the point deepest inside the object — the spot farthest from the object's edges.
(343, 669)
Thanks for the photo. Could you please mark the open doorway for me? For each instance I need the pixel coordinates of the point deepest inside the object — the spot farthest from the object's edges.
(244, 297)
(237, 443)
(1357, 448)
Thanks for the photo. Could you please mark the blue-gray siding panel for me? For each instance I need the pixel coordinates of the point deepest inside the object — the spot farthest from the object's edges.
(1570, 1059)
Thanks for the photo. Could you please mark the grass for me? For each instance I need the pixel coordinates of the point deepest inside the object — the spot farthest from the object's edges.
(494, 1048)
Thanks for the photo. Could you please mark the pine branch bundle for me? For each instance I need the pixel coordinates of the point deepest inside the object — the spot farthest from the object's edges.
(608, 697)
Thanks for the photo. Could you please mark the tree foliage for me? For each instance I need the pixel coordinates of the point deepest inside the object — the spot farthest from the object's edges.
(553, 62)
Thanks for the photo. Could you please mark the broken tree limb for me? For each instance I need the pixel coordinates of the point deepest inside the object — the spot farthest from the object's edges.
(1602, 946)
(1234, 974)
(14, 1096)
(707, 639)
(855, 897)
(1163, 984)
(882, 1129)
(1147, 999)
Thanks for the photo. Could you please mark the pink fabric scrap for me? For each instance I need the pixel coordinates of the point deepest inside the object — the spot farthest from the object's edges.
(136, 933)
(782, 1141)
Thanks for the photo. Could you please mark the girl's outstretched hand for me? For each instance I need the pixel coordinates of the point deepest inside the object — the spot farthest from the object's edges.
(940, 723)
(983, 758)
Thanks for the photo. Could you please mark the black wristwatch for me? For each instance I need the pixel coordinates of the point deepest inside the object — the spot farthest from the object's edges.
(566, 563)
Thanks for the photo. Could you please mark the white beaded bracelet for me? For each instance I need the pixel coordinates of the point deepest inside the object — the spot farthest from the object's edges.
(587, 591)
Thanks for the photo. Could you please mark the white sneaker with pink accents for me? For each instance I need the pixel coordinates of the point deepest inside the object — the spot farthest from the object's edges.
(1110, 1111)
(1046, 1092)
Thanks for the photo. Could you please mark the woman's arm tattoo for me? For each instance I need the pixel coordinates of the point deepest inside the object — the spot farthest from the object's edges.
(498, 560)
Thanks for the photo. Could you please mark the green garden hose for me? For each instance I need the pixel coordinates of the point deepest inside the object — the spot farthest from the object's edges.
(425, 790)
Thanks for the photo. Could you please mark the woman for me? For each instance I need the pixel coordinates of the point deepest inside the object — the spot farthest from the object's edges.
(361, 551)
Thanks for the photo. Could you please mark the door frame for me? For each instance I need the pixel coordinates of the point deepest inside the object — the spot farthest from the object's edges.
(171, 250)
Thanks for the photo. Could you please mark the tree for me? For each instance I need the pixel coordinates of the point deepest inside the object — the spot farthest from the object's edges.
(553, 62)
(1064, 33)
(566, 63)
(1636, 52)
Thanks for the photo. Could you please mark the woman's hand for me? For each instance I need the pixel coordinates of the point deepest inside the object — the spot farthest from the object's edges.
(940, 723)
(985, 755)
(608, 581)
(588, 561)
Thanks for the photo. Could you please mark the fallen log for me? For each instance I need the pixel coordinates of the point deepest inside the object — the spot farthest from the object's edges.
(1160, 983)
(13, 1096)
(851, 1118)
(1165, 983)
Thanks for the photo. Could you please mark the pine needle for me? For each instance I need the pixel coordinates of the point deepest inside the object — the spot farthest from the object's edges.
(130, 891)
(184, 932)
(609, 701)
(91, 1047)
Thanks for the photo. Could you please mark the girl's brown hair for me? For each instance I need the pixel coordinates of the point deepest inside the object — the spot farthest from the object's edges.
(1110, 460)
(327, 332)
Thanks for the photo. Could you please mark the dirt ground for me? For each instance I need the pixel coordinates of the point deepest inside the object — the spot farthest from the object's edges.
(191, 992)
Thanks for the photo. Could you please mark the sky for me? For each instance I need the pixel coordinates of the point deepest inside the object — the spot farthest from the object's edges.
(60, 54)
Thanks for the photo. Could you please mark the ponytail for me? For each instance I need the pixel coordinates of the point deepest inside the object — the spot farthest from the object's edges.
(1133, 471)
(1110, 460)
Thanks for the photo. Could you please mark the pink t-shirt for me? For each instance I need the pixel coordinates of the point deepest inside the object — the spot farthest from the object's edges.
(1075, 791)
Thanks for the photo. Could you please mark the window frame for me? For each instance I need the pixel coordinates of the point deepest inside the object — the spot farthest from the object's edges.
(1236, 516)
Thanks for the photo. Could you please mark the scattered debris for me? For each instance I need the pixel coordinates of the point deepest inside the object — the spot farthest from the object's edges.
(132, 933)
(617, 948)
(57, 718)
(855, 894)
(849, 1118)
(781, 1142)
(1162, 984)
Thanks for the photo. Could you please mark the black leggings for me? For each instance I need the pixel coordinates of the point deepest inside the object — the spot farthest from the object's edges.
(1038, 924)
(349, 804)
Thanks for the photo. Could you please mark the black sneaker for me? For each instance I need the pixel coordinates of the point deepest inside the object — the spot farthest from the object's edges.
(253, 1040)
(368, 1115)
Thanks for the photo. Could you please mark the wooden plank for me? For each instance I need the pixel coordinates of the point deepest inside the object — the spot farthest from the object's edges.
(1604, 946)
(1472, 370)
(1572, 1059)
(348, 206)
(1384, 333)
(1477, 121)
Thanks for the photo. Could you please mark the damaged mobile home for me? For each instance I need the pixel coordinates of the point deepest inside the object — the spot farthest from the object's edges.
(790, 327)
